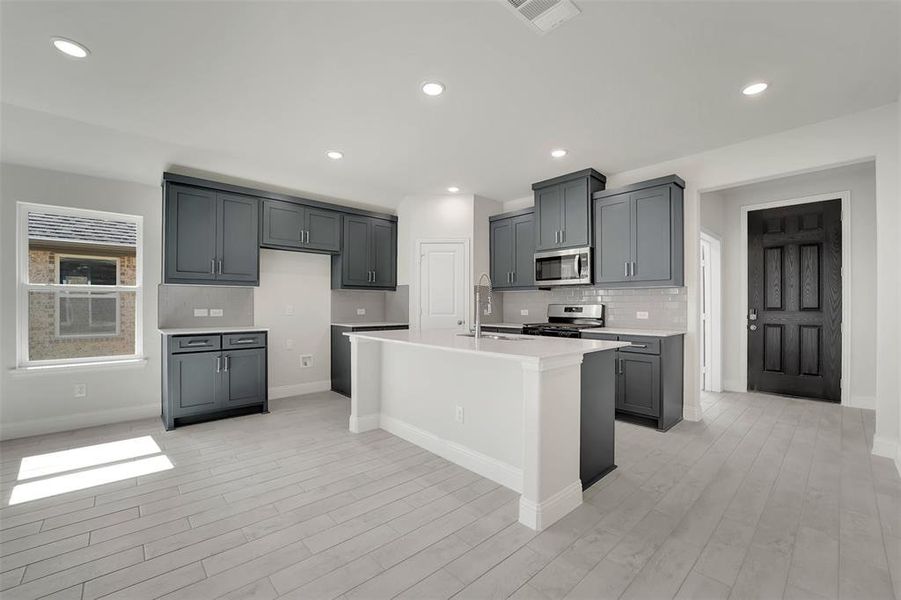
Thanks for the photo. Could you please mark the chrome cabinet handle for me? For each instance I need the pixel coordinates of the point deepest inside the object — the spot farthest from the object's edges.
(198, 343)
(226, 363)
(306, 235)
(638, 345)
(626, 269)
(212, 266)
(632, 268)
(220, 267)
(218, 364)
(562, 235)
(244, 341)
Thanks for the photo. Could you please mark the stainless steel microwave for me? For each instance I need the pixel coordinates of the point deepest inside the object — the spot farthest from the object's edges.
(563, 267)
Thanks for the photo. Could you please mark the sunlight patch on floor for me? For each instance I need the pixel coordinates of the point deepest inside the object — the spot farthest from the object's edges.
(42, 465)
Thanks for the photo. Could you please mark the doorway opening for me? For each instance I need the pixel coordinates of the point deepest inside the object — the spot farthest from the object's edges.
(711, 313)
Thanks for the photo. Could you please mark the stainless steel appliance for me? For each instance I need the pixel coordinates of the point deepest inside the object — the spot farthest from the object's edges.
(563, 267)
(567, 320)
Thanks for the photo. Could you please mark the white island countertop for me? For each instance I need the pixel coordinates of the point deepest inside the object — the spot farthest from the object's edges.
(371, 324)
(207, 330)
(523, 347)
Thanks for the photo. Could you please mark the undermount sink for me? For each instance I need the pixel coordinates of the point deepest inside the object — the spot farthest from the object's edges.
(494, 336)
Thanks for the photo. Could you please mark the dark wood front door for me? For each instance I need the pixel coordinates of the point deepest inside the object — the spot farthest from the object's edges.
(795, 300)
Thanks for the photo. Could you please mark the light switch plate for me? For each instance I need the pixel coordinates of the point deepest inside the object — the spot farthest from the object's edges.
(306, 361)
(361, 311)
(215, 312)
(641, 314)
(523, 312)
(201, 312)
(459, 414)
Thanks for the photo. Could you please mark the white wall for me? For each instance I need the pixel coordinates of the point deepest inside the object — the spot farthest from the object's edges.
(721, 214)
(302, 281)
(41, 402)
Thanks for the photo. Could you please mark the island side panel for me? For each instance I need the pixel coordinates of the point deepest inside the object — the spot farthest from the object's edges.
(551, 442)
(366, 384)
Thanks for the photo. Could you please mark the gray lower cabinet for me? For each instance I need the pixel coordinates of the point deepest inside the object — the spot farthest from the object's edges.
(211, 237)
(648, 378)
(563, 209)
(368, 258)
(341, 371)
(512, 250)
(639, 235)
(294, 226)
(213, 375)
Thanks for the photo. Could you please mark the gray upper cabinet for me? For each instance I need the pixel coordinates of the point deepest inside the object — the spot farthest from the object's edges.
(639, 235)
(368, 256)
(210, 237)
(563, 210)
(512, 249)
(292, 226)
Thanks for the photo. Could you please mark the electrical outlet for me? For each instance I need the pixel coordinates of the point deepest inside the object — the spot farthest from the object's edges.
(459, 415)
(523, 312)
(306, 361)
(215, 312)
(81, 390)
(289, 309)
(361, 311)
(289, 344)
(641, 314)
(201, 312)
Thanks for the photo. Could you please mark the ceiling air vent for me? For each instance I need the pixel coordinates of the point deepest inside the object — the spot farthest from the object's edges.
(544, 15)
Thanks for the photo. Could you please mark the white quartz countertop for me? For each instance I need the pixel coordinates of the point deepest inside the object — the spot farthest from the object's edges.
(373, 324)
(525, 347)
(504, 325)
(635, 331)
(206, 330)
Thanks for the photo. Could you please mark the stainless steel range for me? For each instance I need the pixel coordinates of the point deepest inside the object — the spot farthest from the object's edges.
(567, 320)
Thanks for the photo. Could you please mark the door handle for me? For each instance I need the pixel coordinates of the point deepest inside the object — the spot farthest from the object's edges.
(752, 315)
(753, 327)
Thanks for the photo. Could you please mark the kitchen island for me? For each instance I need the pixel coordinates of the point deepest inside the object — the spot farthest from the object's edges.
(509, 409)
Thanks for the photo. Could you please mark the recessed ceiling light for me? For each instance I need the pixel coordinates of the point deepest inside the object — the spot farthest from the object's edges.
(334, 154)
(755, 88)
(432, 88)
(558, 153)
(69, 48)
(453, 189)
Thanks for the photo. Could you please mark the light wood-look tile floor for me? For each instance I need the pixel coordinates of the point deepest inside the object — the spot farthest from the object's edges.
(768, 497)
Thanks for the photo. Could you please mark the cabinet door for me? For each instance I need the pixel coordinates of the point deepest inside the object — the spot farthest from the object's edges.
(194, 383)
(356, 263)
(238, 238)
(501, 237)
(652, 235)
(323, 230)
(384, 253)
(613, 243)
(576, 226)
(243, 377)
(548, 215)
(190, 233)
(524, 251)
(638, 384)
(282, 224)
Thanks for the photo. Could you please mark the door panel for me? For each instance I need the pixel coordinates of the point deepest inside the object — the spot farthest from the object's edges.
(652, 237)
(244, 380)
(613, 246)
(794, 287)
(524, 251)
(238, 243)
(194, 381)
(639, 385)
(190, 233)
(502, 253)
(323, 230)
(282, 223)
(549, 213)
(575, 218)
(443, 287)
(357, 247)
(384, 253)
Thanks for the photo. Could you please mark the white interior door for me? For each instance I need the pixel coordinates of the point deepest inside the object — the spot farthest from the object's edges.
(443, 285)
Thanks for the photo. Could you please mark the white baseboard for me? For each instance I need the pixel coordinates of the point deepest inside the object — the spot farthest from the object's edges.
(298, 389)
(9, 431)
(364, 423)
(734, 385)
(495, 470)
(868, 402)
(541, 515)
(888, 448)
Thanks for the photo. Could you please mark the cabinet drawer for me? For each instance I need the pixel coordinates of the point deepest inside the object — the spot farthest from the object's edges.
(256, 339)
(194, 343)
(605, 337)
(640, 344)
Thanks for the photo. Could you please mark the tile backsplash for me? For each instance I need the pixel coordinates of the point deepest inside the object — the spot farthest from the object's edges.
(666, 307)
(176, 304)
(379, 305)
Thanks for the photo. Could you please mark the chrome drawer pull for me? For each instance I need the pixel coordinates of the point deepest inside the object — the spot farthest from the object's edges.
(244, 341)
(198, 343)
(638, 345)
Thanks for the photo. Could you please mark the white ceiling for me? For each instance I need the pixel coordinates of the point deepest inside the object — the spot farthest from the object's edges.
(260, 91)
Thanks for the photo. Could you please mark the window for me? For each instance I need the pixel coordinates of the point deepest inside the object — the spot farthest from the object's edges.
(79, 286)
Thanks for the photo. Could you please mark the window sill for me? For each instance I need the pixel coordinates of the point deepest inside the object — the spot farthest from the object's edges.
(138, 362)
